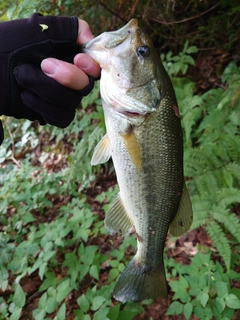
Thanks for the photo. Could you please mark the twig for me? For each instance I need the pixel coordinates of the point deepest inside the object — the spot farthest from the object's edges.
(13, 145)
(134, 7)
(187, 19)
(112, 12)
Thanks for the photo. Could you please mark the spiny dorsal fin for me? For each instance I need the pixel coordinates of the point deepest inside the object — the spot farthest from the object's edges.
(117, 220)
(102, 152)
(183, 219)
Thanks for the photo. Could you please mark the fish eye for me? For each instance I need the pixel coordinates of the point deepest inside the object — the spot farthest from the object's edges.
(143, 51)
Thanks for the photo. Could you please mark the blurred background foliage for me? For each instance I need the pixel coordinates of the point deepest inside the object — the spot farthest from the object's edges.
(207, 24)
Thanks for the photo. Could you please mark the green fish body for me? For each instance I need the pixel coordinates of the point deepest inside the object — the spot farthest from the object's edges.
(144, 139)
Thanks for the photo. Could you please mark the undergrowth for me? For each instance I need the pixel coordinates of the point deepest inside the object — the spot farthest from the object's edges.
(50, 231)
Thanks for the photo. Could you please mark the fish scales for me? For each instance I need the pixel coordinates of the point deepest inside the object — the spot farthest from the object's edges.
(144, 139)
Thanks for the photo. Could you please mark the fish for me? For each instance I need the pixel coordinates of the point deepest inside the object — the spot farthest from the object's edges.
(145, 141)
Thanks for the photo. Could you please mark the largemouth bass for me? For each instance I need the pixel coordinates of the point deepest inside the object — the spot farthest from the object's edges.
(144, 139)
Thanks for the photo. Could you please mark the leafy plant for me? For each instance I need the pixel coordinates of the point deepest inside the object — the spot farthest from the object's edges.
(213, 163)
(203, 289)
(179, 63)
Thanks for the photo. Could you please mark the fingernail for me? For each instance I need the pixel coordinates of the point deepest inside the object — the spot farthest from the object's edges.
(49, 66)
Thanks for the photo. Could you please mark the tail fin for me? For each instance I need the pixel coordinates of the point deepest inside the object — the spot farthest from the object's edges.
(136, 283)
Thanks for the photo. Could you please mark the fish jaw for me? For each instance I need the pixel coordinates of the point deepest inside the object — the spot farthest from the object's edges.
(98, 48)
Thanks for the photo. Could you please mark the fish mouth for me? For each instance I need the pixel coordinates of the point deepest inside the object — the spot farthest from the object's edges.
(109, 40)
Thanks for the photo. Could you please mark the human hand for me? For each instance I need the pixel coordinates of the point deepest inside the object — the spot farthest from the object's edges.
(27, 92)
(74, 76)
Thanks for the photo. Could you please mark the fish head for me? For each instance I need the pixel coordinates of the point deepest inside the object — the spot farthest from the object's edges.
(130, 70)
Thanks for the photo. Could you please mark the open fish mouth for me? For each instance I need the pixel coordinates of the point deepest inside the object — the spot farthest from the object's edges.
(111, 39)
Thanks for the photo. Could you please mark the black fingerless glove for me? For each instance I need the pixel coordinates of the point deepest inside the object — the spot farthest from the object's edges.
(25, 91)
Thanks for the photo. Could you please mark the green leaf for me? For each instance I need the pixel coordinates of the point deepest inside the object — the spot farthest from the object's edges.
(50, 281)
(174, 308)
(61, 312)
(220, 304)
(83, 303)
(97, 302)
(114, 312)
(52, 292)
(42, 269)
(232, 301)
(228, 314)
(113, 274)
(182, 295)
(16, 314)
(28, 217)
(94, 272)
(3, 278)
(39, 314)
(101, 314)
(187, 310)
(221, 289)
(51, 305)
(42, 301)
(80, 315)
(19, 297)
(84, 271)
(48, 255)
(203, 298)
(63, 290)
(192, 49)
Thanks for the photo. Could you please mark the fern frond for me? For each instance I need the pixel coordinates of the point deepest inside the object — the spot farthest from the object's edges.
(232, 145)
(228, 196)
(229, 220)
(220, 241)
(197, 161)
(80, 162)
(227, 178)
(93, 139)
(210, 132)
(202, 210)
(211, 98)
(207, 185)
(234, 168)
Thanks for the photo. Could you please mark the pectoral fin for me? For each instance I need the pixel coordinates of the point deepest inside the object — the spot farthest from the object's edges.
(183, 219)
(117, 220)
(133, 147)
(102, 152)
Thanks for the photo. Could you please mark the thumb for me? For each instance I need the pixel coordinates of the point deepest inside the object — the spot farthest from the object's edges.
(84, 32)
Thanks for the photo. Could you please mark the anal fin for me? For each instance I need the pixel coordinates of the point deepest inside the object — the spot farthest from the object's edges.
(117, 220)
(183, 219)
